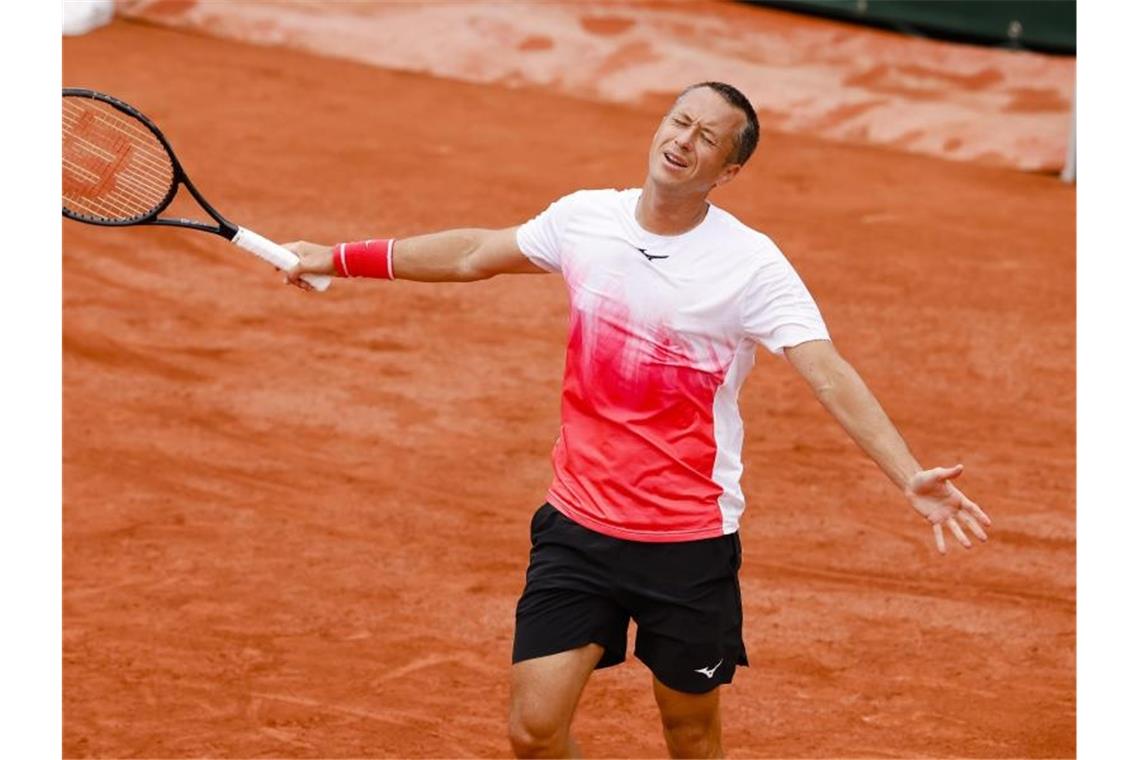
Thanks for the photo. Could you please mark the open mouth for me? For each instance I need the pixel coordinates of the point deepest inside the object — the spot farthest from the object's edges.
(674, 160)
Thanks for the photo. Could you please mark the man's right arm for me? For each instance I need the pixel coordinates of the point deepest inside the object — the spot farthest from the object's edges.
(461, 255)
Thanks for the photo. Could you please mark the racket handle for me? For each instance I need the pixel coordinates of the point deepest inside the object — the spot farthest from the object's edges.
(278, 256)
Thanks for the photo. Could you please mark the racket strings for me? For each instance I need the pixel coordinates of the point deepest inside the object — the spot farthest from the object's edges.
(142, 138)
(151, 153)
(88, 189)
(102, 174)
(130, 188)
(93, 181)
(114, 168)
(158, 164)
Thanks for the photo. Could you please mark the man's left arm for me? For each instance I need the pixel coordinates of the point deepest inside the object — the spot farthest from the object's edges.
(844, 394)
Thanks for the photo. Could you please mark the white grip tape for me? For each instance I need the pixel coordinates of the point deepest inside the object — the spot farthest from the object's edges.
(280, 257)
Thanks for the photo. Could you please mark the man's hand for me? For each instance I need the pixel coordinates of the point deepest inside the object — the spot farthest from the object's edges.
(932, 494)
(313, 259)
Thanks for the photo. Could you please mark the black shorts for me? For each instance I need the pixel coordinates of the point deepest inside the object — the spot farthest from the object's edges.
(583, 587)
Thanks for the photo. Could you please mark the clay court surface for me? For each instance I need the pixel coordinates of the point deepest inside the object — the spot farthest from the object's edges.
(295, 525)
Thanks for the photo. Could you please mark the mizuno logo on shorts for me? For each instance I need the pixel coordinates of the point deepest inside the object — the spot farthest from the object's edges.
(709, 671)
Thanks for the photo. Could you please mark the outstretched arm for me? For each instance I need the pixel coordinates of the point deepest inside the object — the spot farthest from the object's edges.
(461, 255)
(844, 394)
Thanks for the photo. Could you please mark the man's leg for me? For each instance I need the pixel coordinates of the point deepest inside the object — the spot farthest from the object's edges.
(544, 695)
(691, 721)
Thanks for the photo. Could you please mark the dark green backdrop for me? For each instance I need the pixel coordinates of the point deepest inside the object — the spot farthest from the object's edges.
(1044, 25)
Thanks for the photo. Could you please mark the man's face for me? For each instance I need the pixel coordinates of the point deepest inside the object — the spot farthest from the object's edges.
(693, 146)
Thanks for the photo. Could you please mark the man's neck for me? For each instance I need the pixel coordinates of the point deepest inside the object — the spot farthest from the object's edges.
(665, 214)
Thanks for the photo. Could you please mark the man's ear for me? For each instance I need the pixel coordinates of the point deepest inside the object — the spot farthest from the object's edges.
(726, 174)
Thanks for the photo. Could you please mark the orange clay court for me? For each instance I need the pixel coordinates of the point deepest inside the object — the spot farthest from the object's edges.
(295, 525)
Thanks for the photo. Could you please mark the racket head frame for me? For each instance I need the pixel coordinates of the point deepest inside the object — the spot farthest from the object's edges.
(225, 228)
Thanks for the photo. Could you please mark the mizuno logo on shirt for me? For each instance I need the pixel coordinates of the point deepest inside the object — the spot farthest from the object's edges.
(649, 256)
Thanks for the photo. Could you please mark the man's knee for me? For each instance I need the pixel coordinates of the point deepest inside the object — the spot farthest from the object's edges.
(692, 736)
(691, 722)
(535, 735)
(544, 693)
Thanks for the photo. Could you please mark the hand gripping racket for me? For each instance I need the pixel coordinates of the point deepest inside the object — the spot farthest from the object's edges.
(119, 171)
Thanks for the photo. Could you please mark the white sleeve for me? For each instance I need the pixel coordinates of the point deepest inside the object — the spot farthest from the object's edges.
(541, 238)
(780, 312)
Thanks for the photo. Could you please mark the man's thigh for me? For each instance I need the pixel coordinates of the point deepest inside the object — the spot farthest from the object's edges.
(545, 690)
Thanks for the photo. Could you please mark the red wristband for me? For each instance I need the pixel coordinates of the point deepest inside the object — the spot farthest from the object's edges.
(365, 258)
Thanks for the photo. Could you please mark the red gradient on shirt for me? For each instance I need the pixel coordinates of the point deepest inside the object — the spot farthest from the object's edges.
(636, 453)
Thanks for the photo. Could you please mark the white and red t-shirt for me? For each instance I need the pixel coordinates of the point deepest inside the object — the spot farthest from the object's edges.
(663, 331)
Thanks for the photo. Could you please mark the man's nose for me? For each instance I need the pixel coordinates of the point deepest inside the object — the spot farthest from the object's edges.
(686, 137)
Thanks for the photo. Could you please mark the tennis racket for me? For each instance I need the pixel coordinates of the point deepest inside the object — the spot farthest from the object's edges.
(120, 171)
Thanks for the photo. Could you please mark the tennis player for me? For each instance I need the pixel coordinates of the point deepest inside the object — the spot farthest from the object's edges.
(669, 297)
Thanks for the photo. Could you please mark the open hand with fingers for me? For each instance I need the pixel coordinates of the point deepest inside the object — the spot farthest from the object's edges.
(932, 494)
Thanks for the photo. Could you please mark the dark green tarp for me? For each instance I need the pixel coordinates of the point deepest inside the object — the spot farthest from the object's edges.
(1045, 25)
